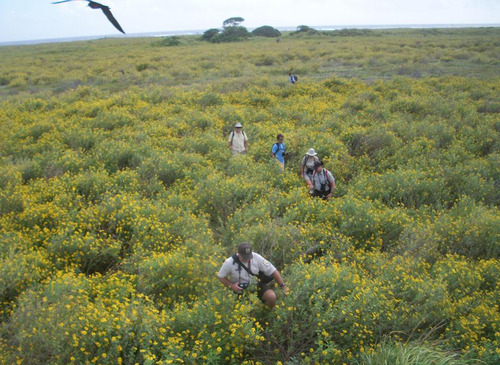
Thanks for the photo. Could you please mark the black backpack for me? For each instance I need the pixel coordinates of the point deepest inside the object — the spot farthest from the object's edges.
(281, 146)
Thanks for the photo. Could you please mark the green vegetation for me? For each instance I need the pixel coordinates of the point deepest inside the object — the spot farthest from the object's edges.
(119, 199)
(266, 31)
(231, 32)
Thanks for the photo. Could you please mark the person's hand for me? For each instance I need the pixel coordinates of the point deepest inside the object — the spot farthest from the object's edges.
(285, 290)
(236, 288)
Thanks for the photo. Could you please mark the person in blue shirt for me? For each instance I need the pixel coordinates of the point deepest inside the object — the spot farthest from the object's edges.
(278, 151)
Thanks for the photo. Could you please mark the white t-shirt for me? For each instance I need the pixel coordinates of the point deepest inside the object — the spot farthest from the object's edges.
(230, 270)
(320, 180)
(238, 141)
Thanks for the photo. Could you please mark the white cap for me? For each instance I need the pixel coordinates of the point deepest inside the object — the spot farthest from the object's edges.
(311, 152)
(238, 125)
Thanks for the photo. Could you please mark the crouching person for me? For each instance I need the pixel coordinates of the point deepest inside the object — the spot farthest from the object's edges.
(246, 268)
(323, 182)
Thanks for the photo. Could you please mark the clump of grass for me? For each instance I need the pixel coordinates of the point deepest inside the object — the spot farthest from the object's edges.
(397, 353)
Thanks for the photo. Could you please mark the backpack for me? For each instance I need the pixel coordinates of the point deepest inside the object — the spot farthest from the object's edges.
(232, 136)
(295, 78)
(282, 147)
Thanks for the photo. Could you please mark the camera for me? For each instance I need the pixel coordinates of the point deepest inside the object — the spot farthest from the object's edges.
(243, 285)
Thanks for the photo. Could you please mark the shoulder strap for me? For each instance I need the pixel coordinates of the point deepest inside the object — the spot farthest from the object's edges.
(237, 260)
(232, 136)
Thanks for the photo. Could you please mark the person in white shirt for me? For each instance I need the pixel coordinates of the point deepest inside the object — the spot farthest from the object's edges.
(323, 182)
(245, 269)
(238, 141)
(307, 166)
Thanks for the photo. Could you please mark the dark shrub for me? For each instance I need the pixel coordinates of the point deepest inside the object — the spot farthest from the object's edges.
(209, 34)
(266, 31)
(232, 34)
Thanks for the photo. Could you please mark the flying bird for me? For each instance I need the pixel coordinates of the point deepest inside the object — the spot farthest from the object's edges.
(104, 8)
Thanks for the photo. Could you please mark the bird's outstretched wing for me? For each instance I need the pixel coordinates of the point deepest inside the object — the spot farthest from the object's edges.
(104, 8)
(111, 18)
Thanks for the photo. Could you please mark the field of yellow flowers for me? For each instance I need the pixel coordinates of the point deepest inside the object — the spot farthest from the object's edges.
(119, 199)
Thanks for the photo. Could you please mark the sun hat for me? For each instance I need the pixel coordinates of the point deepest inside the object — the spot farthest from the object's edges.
(245, 251)
(238, 125)
(311, 152)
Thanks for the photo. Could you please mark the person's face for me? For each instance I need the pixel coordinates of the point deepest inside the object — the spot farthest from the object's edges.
(281, 139)
(238, 129)
(319, 169)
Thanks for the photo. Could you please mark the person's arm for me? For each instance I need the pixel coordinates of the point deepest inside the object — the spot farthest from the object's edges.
(310, 181)
(279, 280)
(233, 286)
(229, 143)
(331, 182)
(273, 151)
(246, 143)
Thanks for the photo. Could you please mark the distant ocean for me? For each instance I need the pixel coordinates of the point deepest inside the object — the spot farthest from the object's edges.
(284, 29)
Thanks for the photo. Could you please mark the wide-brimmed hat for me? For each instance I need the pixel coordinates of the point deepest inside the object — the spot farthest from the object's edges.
(238, 125)
(311, 152)
(245, 251)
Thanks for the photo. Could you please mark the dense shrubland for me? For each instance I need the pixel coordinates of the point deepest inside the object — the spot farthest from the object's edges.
(119, 200)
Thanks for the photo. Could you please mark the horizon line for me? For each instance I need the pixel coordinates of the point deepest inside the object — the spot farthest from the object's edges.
(283, 28)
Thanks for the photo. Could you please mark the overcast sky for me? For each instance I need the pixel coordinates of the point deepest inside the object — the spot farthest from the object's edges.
(39, 19)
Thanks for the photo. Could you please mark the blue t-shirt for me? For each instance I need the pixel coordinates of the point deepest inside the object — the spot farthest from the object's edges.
(279, 150)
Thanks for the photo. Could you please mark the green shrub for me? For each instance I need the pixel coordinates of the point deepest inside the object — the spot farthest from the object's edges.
(171, 41)
(266, 31)
(231, 34)
(209, 34)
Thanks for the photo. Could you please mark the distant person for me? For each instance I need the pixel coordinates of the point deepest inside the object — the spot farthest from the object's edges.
(278, 151)
(238, 141)
(307, 166)
(292, 78)
(323, 182)
(240, 272)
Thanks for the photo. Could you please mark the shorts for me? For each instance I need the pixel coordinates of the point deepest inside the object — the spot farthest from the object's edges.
(262, 288)
(321, 194)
